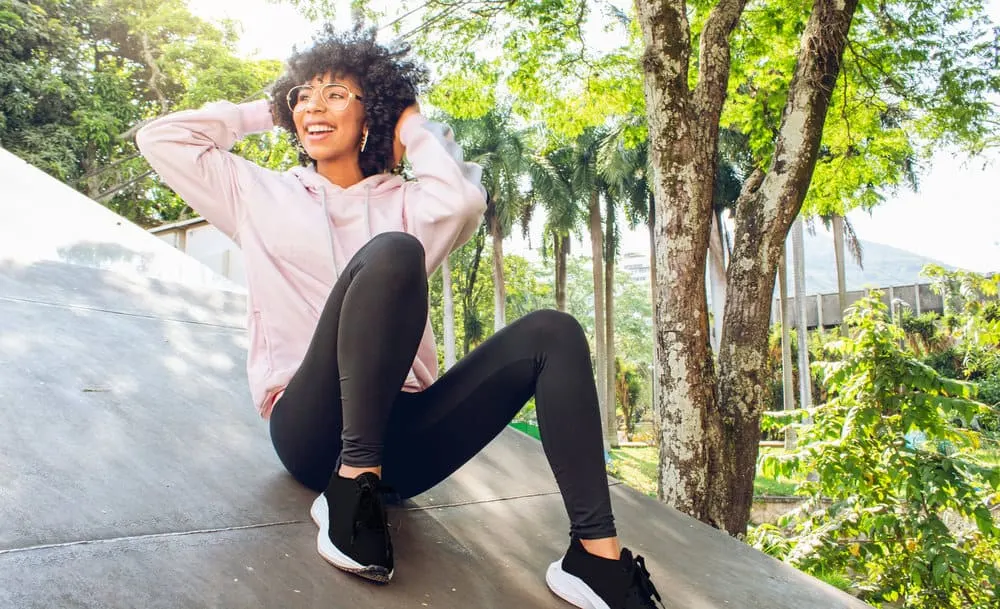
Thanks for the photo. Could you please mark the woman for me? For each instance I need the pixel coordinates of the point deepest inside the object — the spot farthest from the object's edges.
(342, 360)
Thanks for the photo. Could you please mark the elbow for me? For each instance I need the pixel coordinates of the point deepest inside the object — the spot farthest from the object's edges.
(476, 201)
(146, 138)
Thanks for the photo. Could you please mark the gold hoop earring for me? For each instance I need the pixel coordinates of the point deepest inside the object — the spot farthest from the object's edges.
(364, 140)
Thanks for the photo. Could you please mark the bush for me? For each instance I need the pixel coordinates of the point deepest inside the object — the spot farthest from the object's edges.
(898, 506)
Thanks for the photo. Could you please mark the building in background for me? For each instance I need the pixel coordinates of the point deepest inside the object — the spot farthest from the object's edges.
(202, 241)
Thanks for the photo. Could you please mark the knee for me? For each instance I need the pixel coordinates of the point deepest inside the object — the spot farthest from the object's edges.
(397, 252)
(552, 328)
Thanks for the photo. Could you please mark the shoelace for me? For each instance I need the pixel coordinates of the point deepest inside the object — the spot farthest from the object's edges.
(369, 512)
(644, 584)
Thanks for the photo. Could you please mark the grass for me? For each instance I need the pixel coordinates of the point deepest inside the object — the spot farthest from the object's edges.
(989, 453)
(636, 467)
(527, 428)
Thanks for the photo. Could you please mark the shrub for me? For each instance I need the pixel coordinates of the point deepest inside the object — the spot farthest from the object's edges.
(897, 504)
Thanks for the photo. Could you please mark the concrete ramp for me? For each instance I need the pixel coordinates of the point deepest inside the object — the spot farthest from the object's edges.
(136, 473)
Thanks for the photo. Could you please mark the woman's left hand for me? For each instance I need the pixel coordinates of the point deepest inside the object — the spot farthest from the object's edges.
(398, 150)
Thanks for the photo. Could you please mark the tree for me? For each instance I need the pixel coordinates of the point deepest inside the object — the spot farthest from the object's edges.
(713, 473)
(499, 148)
(78, 76)
(628, 384)
(568, 182)
(448, 313)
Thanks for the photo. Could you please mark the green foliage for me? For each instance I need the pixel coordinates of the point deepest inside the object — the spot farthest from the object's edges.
(628, 387)
(908, 518)
(885, 114)
(76, 76)
(972, 310)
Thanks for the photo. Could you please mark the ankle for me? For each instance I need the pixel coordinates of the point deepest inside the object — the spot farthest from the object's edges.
(605, 548)
(347, 471)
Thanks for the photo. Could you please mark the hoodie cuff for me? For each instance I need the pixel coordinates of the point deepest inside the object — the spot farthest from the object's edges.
(414, 121)
(256, 116)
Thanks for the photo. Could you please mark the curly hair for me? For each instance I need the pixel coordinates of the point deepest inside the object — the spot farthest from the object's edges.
(389, 83)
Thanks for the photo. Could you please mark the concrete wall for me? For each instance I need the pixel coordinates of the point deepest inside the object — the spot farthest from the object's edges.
(208, 245)
(825, 308)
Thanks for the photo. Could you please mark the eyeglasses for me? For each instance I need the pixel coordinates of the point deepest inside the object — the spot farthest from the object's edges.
(333, 96)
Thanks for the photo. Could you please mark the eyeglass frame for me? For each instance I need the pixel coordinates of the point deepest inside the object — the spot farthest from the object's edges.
(350, 95)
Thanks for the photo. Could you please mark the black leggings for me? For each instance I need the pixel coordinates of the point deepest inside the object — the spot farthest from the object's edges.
(344, 402)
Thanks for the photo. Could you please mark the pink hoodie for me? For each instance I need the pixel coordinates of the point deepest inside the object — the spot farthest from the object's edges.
(298, 230)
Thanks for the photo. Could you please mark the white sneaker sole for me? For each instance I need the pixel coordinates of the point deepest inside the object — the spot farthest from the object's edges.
(321, 516)
(572, 589)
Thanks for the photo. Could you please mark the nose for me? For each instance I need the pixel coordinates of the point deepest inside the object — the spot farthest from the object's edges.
(314, 104)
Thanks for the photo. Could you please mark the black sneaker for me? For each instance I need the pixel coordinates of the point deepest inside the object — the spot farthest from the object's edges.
(593, 582)
(353, 532)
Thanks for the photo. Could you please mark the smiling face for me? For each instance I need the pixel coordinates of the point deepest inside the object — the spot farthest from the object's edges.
(329, 135)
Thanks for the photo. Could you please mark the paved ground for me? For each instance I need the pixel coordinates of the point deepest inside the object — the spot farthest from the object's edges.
(135, 472)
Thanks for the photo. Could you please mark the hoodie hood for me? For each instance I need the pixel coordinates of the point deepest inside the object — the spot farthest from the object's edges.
(372, 186)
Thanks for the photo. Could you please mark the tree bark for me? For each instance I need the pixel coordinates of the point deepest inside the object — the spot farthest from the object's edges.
(763, 218)
(499, 285)
(838, 252)
(448, 298)
(601, 355)
(683, 129)
(717, 280)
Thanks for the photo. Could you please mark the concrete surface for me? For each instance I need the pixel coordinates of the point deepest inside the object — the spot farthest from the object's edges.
(134, 471)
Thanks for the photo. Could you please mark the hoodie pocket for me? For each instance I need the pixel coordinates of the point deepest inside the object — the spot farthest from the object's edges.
(260, 347)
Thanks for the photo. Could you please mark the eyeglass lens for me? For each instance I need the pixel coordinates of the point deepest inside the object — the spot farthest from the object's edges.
(335, 97)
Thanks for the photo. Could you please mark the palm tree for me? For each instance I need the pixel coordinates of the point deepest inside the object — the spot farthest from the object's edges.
(448, 298)
(843, 234)
(567, 182)
(499, 148)
(551, 188)
(623, 169)
(799, 283)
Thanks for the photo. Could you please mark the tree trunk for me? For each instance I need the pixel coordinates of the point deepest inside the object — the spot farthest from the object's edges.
(763, 218)
(683, 131)
(609, 334)
(717, 280)
(655, 391)
(499, 286)
(468, 293)
(448, 298)
(561, 247)
(838, 252)
(601, 355)
(801, 327)
(652, 240)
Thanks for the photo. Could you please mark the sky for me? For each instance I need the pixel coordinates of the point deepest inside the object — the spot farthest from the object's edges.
(953, 218)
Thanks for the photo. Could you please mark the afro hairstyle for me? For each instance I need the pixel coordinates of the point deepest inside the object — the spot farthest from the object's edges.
(389, 80)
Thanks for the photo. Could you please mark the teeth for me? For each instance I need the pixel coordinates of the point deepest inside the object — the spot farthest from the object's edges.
(320, 129)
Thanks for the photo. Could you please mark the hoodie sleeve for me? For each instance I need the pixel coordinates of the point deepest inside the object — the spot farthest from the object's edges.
(447, 201)
(191, 152)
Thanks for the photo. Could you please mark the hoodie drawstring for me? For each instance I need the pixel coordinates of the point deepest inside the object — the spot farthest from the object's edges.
(329, 226)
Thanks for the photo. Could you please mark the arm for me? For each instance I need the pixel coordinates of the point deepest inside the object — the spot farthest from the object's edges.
(190, 151)
(447, 202)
